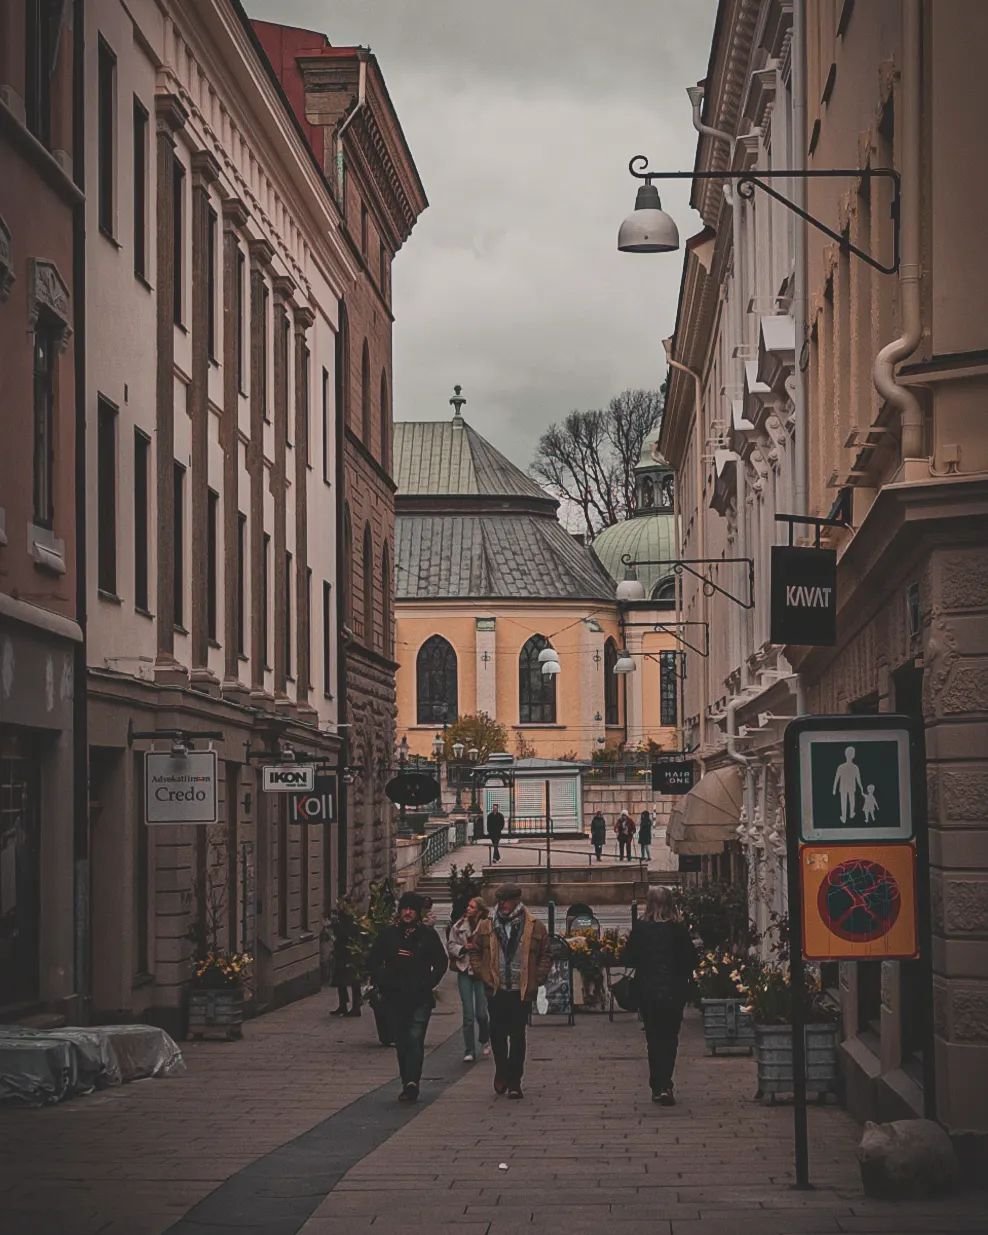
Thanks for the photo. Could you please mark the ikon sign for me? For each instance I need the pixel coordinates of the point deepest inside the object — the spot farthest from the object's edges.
(288, 778)
(804, 596)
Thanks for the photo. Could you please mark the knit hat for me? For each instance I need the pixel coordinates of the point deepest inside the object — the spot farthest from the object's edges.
(411, 900)
(508, 892)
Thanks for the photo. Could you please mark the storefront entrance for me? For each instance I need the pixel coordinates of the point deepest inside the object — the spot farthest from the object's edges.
(20, 869)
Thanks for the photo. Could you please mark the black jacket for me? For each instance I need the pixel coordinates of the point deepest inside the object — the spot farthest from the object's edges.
(407, 979)
(663, 957)
(645, 828)
(495, 825)
(598, 829)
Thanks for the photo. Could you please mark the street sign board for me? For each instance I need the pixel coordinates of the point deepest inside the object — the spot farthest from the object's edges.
(412, 789)
(804, 596)
(673, 776)
(180, 788)
(318, 806)
(859, 902)
(855, 782)
(288, 778)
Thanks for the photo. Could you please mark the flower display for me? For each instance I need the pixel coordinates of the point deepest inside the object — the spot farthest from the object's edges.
(724, 974)
(593, 953)
(771, 999)
(217, 970)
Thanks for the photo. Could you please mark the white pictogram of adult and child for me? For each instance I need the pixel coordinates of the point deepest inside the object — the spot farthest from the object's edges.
(847, 785)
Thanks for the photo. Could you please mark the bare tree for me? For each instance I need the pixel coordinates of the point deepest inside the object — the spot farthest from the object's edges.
(589, 459)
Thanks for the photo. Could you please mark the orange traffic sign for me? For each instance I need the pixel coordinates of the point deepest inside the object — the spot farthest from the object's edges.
(859, 902)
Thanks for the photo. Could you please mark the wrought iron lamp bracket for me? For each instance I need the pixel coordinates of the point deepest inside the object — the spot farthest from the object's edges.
(685, 565)
(672, 628)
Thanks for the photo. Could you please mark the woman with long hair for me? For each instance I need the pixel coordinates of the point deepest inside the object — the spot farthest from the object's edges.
(473, 996)
(662, 954)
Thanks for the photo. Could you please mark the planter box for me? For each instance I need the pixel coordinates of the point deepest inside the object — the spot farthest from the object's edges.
(726, 1027)
(773, 1047)
(221, 1009)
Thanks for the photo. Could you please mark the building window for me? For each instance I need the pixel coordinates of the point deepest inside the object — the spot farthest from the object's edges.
(241, 305)
(536, 690)
(368, 573)
(211, 283)
(178, 229)
(266, 599)
(45, 369)
(288, 614)
(306, 418)
(105, 118)
(363, 230)
(668, 688)
(365, 396)
(212, 529)
(286, 344)
(325, 426)
(327, 628)
(178, 537)
(262, 367)
(387, 584)
(612, 715)
(308, 627)
(343, 367)
(106, 488)
(241, 579)
(43, 21)
(140, 189)
(385, 414)
(435, 682)
(346, 582)
(142, 460)
(664, 593)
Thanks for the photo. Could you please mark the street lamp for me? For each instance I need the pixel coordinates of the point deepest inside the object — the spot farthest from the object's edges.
(631, 587)
(625, 663)
(458, 749)
(648, 229)
(402, 752)
(438, 750)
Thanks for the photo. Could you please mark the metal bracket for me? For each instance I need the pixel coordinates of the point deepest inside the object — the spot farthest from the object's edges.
(685, 565)
(813, 521)
(176, 735)
(755, 177)
(669, 628)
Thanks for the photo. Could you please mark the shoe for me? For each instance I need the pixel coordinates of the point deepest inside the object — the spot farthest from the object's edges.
(340, 1011)
(515, 1093)
(468, 1058)
(352, 1012)
(665, 1098)
(487, 1050)
(500, 1086)
(410, 1093)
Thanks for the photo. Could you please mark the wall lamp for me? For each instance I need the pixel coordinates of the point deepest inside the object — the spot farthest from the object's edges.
(648, 229)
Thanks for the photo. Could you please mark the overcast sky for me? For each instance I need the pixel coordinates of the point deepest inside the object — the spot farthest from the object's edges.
(521, 117)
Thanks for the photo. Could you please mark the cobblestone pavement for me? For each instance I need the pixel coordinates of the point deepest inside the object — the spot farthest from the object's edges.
(296, 1129)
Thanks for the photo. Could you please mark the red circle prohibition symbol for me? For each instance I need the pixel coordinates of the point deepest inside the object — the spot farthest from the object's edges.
(859, 900)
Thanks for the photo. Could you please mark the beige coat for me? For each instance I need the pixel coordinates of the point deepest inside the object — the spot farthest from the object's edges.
(535, 956)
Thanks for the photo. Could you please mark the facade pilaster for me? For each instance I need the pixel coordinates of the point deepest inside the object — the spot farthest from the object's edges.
(261, 254)
(283, 289)
(304, 319)
(486, 644)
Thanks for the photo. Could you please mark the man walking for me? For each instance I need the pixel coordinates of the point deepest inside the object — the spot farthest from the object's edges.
(406, 963)
(512, 960)
(625, 829)
(495, 826)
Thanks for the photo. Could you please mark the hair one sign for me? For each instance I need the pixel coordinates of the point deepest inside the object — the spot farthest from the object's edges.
(180, 788)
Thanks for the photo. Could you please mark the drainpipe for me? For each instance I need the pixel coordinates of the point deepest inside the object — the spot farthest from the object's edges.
(883, 373)
(797, 191)
(744, 763)
(361, 100)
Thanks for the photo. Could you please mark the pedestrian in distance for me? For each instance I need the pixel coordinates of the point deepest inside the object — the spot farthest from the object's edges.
(407, 962)
(346, 979)
(428, 913)
(624, 826)
(473, 996)
(495, 826)
(662, 954)
(645, 834)
(512, 958)
(598, 833)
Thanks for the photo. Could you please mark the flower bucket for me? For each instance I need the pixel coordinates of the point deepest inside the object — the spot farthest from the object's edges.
(217, 1008)
(726, 1027)
(773, 1048)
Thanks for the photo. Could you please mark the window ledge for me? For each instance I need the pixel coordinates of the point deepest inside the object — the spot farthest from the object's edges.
(144, 612)
(530, 725)
(180, 629)
(110, 597)
(143, 281)
(110, 238)
(46, 549)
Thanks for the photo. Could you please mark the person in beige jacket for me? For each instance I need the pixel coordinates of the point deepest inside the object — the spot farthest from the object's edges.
(512, 958)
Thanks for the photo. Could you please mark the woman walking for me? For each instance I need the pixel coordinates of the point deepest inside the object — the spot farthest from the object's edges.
(645, 835)
(661, 952)
(346, 933)
(473, 996)
(598, 833)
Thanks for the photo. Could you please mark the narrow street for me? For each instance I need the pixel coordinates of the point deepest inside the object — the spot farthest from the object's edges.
(296, 1129)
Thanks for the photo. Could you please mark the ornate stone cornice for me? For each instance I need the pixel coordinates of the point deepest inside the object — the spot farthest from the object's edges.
(205, 170)
(235, 213)
(48, 295)
(304, 318)
(284, 289)
(261, 254)
(170, 113)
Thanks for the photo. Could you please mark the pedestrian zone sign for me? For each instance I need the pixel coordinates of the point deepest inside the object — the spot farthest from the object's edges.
(859, 902)
(855, 784)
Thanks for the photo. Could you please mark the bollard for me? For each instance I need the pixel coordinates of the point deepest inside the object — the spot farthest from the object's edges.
(552, 917)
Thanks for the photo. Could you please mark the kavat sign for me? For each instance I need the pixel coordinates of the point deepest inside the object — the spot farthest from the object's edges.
(180, 788)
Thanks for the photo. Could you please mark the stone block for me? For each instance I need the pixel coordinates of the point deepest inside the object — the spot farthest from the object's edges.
(908, 1158)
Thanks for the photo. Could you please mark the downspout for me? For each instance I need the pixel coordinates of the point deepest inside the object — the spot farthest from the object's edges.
(883, 373)
(743, 762)
(797, 192)
(361, 100)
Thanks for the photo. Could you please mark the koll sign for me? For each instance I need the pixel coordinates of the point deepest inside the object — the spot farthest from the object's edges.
(319, 806)
(804, 596)
(180, 788)
(288, 778)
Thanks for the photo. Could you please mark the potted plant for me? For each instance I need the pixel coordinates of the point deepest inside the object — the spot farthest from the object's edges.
(592, 955)
(381, 909)
(771, 1006)
(722, 988)
(216, 998)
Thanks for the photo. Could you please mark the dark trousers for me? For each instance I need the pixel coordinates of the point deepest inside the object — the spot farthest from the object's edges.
(408, 1023)
(341, 992)
(496, 848)
(624, 847)
(662, 1022)
(509, 1019)
(598, 848)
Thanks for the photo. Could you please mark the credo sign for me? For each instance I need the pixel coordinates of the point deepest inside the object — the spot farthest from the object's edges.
(288, 778)
(180, 788)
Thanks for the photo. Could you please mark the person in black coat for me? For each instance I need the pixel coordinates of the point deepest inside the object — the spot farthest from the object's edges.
(346, 932)
(495, 826)
(662, 954)
(598, 833)
(407, 962)
(645, 834)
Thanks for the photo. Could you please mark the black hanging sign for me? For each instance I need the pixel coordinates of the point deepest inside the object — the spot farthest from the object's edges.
(804, 596)
(413, 789)
(674, 776)
(317, 806)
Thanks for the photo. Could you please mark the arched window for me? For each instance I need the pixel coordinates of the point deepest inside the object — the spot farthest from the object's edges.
(346, 582)
(387, 590)
(664, 593)
(365, 396)
(385, 414)
(536, 690)
(612, 714)
(368, 570)
(343, 367)
(435, 682)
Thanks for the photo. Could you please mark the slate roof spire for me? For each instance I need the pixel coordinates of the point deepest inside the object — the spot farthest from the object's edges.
(456, 403)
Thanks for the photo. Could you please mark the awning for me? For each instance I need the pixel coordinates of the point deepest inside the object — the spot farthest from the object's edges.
(710, 813)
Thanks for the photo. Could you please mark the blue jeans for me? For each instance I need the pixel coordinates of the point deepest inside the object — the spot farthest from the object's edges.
(473, 997)
(409, 1023)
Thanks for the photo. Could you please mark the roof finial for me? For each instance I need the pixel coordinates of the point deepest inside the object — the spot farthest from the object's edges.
(457, 402)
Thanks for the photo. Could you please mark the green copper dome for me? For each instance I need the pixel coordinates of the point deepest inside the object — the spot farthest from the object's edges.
(650, 537)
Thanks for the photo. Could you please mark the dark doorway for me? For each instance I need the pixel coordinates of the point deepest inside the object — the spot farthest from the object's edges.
(20, 868)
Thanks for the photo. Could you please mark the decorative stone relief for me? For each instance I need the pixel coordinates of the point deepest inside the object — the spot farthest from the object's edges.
(965, 906)
(969, 1016)
(936, 902)
(966, 690)
(964, 580)
(963, 794)
(7, 276)
(939, 655)
(49, 294)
